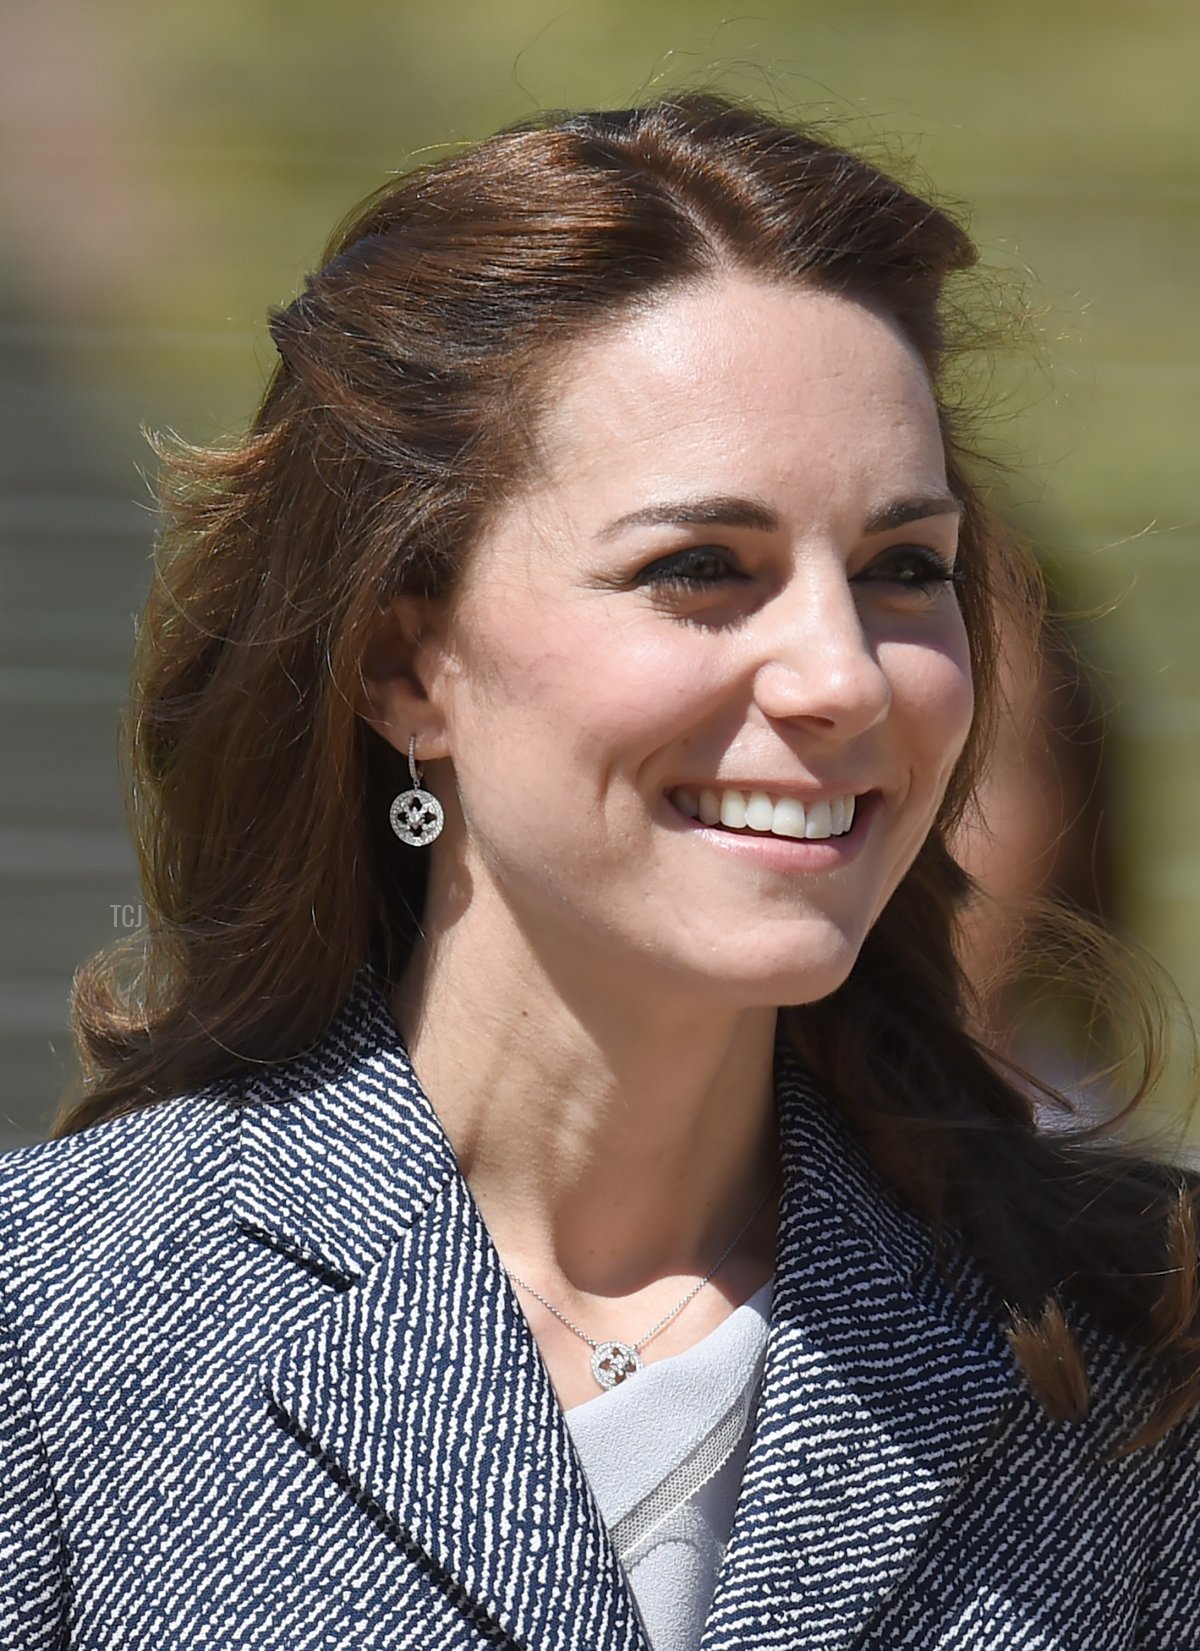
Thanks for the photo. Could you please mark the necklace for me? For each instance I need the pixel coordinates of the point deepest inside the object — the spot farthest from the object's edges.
(614, 1362)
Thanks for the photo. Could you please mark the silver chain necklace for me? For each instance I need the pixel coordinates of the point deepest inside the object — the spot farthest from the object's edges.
(614, 1362)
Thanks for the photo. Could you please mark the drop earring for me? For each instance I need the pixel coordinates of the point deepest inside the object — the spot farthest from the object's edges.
(416, 816)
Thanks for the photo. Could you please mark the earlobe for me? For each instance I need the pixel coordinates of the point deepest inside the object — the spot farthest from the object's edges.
(400, 675)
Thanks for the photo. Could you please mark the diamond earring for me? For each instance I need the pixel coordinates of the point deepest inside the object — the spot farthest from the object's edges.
(416, 816)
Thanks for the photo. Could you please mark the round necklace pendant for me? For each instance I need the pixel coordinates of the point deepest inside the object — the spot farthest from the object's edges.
(416, 817)
(614, 1362)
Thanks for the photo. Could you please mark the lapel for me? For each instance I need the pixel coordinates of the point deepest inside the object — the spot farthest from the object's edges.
(881, 1387)
(422, 1387)
(420, 1384)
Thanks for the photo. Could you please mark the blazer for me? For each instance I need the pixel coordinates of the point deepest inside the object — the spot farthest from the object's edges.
(265, 1383)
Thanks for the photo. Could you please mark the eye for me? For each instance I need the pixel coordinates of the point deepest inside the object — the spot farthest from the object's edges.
(697, 568)
(912, 567)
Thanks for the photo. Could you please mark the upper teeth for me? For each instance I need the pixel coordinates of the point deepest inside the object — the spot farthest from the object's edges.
(755, 811)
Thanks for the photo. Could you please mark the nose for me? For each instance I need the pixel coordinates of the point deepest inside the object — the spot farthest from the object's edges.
(819, 665)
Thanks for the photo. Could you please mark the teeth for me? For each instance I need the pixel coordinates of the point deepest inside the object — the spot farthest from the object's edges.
(756, 811)
(820, 821)
(760, 811)
(733, 809)
(790, 818)
(843, 815)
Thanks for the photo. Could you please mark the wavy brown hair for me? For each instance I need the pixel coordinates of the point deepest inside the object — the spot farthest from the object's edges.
(414, 371)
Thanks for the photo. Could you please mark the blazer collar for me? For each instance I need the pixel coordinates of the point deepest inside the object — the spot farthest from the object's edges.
(883, 1384)
(422, 1386)
(341, 1150)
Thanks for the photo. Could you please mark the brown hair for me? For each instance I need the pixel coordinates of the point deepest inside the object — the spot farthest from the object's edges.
(414, 367)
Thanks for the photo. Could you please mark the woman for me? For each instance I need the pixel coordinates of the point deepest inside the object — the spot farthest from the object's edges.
(539, 1189)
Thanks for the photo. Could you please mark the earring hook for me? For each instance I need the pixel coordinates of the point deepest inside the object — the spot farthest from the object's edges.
(416, 815)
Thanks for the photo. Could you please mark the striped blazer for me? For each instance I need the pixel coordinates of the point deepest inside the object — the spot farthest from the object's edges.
(264, 1383)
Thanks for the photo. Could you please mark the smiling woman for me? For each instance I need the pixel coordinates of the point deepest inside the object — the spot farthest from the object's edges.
(539, 1186)
(597, 668)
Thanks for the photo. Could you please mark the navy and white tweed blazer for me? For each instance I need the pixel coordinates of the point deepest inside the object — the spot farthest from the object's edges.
(264, 1383)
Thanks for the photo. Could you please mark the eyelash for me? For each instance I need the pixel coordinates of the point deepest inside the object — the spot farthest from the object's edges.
(931, 569)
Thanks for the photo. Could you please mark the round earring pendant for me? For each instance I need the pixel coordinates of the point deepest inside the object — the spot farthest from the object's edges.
(614, 1362)
(416, 817)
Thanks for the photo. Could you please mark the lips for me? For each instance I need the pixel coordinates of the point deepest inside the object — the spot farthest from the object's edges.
(765, 813)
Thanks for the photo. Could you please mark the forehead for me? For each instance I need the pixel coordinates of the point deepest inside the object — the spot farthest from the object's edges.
(770, 381)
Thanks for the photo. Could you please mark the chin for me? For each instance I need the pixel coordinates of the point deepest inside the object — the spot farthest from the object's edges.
(815, 978)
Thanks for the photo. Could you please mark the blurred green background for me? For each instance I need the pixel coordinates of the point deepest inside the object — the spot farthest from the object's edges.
(171, 171)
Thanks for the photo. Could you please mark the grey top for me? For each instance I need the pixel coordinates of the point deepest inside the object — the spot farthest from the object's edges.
(664, 1454)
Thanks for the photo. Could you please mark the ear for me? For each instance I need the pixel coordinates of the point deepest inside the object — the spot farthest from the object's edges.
(402, 674)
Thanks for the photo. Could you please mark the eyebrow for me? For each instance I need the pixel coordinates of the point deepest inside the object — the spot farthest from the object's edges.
(722, 510)
(902, 511)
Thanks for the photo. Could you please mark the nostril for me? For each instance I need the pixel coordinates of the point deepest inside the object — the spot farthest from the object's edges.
(834, 694)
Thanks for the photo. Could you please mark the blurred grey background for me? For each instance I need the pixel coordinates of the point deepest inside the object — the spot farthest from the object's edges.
(169, 172)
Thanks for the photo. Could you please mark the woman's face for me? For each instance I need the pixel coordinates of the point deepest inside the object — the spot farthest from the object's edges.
(730, 588)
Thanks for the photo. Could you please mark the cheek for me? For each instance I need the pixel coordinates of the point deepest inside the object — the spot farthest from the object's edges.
(935, 686)
(550, 744)
(579, 681)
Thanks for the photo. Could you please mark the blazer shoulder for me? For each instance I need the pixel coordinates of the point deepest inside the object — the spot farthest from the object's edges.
(1169, 1612)
(114, 1185)
(140, 1191)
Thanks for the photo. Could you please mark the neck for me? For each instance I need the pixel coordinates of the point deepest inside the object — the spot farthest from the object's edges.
(612, 1136)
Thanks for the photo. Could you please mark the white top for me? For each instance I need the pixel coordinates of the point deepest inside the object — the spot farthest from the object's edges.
(664, 1454)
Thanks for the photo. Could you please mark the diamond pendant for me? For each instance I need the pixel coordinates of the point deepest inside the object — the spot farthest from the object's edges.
(416, 817)
(614, 1362)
